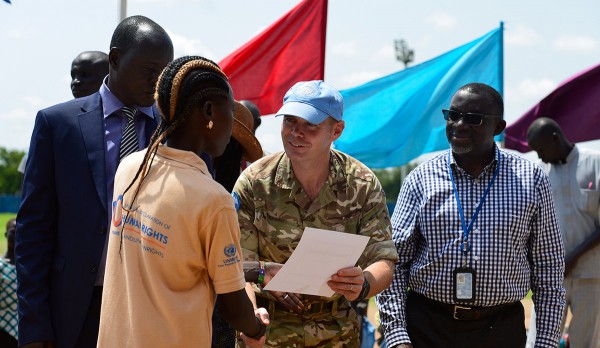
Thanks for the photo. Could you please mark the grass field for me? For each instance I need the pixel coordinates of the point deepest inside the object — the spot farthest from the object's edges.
(4, 217)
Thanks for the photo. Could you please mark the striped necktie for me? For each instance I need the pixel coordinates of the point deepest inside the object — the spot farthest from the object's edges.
(129, 141)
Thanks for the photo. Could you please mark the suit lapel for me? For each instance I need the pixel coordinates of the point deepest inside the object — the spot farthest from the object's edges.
(151, 124)
(92, 129)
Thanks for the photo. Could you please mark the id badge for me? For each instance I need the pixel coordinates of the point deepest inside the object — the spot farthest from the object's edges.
(464, 284)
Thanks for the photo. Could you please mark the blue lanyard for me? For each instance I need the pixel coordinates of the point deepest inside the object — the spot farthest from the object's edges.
(466, 246)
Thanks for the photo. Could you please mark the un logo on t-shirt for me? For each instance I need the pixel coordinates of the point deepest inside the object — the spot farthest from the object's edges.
(229, 250)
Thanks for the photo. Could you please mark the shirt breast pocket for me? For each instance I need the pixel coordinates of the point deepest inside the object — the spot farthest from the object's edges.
(335, 220)
(589, 200)
(279, 230)
(518, 218)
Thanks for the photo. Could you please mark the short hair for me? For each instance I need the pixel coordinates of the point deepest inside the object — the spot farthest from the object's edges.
(96, 56)
(489, 92)
(127, 33)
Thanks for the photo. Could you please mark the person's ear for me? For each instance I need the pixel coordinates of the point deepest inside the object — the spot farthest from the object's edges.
(114, 56)
(208, 110)
(555, 137)
(337, 129)
(499, 127)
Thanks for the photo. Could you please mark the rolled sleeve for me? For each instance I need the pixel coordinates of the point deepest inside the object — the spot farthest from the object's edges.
(246, 211)
(375, 223)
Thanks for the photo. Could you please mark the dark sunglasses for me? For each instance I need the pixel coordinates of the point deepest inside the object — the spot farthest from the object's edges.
(470, 118)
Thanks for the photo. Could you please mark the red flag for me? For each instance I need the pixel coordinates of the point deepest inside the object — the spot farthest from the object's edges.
(574, 105)
(292, 49)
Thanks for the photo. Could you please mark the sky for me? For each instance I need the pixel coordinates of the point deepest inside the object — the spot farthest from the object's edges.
(545, 42)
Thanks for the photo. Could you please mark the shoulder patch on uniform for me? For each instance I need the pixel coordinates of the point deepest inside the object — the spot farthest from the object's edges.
(236, 200)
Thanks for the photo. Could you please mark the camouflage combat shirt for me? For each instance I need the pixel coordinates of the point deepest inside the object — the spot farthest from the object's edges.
(273, 211)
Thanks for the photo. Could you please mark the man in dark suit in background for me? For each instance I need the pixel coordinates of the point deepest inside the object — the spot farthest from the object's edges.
(65, 210)
(88, 71)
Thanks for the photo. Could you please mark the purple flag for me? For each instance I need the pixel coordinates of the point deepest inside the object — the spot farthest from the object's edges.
(574, 105)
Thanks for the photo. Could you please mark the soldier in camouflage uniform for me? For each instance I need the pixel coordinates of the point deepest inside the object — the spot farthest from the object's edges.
(311, 185)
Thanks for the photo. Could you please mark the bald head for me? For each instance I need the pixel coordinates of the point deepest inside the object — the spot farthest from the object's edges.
(139, 50)
(545, 137)
(544, 128)
(492, 96)
(88, 70)
(135, 30)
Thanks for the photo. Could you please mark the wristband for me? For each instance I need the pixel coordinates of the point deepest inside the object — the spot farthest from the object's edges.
(261, 273)
(364, 291)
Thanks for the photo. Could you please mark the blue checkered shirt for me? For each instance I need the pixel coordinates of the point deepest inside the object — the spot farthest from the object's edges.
(516, 243)
(8, 298)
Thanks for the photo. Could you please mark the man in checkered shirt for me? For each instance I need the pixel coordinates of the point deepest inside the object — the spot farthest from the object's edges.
(8, 290)
(475, 229)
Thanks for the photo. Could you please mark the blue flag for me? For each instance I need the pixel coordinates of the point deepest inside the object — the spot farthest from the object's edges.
(395, 119)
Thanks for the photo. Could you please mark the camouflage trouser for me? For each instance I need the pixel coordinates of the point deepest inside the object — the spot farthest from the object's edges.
(335, 328)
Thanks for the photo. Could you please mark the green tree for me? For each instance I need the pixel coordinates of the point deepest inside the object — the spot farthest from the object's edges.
(10, 178)
(391, 180)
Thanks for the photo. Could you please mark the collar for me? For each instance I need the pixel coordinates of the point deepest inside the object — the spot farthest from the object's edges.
(285, 178)
(573, 155)
(110, 102)
(488, 168)
(187, 158)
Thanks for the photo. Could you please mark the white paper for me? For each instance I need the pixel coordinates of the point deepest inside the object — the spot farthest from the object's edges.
(318, 256)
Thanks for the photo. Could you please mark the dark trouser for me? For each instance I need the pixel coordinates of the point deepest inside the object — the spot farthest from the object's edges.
(431, 325)
(7, 341)
(89, 333)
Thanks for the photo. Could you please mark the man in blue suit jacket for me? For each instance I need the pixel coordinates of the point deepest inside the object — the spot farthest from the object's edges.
(67, 189)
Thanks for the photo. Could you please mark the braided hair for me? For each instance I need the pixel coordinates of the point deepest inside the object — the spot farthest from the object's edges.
(184, 84)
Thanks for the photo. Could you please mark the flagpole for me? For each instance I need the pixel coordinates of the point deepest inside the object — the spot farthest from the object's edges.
(501, 137)
(501, 57)
(123, 11)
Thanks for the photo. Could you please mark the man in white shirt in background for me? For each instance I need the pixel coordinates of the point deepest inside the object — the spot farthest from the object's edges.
(575, 177)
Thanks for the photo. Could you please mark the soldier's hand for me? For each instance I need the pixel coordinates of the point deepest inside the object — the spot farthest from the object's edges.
(271, 269)
(347, 282)
(289, 300)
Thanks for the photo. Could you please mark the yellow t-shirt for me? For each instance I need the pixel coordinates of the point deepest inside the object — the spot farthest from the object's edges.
(179, 246)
